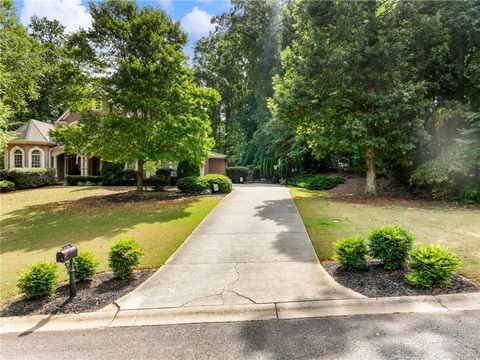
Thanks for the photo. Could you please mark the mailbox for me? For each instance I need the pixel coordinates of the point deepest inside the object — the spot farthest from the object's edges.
(68, 252)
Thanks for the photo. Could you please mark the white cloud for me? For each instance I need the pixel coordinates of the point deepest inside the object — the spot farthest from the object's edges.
(71, 13)
(197, 23)
(166, 4)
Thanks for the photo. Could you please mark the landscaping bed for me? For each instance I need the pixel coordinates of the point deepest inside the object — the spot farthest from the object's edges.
(375, 281)
(92, 295)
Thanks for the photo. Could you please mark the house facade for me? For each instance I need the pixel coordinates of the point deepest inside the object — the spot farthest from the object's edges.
(34, 148)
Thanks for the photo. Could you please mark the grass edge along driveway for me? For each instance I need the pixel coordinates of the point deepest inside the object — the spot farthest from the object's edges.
(36, 223)
(327, 220)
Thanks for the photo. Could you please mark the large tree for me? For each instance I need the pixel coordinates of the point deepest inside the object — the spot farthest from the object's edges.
(21, 66)
(154, 111)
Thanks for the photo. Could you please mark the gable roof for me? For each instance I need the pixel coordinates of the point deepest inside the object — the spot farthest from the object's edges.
(34, 130)
(69, 117)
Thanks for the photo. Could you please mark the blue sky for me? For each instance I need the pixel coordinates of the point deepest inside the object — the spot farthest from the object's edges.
(194, 15)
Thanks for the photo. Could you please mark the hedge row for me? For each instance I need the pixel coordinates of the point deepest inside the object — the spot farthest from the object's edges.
(236, 172)
(76, 179)
(26, 178)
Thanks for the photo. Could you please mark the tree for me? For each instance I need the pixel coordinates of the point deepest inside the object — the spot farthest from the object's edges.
(155, 110)
(347, 85)
(20, 68)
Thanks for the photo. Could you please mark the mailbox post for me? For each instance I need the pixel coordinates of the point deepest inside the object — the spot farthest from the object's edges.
(67, 253)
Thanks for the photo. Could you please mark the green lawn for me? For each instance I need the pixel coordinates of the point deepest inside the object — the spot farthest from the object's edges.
(327, 220)
(37, 223)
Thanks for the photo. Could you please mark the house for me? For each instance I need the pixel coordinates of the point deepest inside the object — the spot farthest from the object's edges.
(34, 148)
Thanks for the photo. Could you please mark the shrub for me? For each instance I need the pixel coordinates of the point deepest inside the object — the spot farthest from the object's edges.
(6, 185)
(224, 183)
(390, 244)
(187, 168)
(85, 264)
(470, 196)
(38, 280)
(236, 172)
(432, 265)
(351, 252)
(316, 182)
(157, 182)
(112, 173)
(26, 178)
(124, 255)
(76, 179)
(193, 185)
(129, 177)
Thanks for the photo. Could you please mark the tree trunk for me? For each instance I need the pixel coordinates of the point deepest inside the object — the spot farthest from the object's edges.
(371, 184)
(140, 175)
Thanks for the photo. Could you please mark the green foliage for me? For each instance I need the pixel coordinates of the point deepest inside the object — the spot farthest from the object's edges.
(224, 183)
(470, 196)
(85, 264)
(390, 244)
(26, 178)
(112, 173)
(129, 176)
(156, 110)
(432, 265)
(6, 185)
(193, 185)
(158, 182)
(124, 255)
(316, 182)
(236, 172)
(76, 179)
(187, 168)
(38, 280)
(351, 252)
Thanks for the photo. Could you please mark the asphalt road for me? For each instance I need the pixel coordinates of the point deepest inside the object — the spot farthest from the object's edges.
(398, 336)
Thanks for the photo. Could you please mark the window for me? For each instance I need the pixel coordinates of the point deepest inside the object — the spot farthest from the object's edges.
(18, 158)
(36, 158)
(130, 165)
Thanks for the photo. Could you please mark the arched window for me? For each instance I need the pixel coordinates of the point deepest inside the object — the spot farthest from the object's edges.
(18, 158)
(35, 158)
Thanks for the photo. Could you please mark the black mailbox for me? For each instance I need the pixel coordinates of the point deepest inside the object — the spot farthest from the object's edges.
(68, 252)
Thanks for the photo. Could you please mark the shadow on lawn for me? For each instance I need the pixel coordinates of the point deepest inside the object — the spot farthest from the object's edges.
(40, 227)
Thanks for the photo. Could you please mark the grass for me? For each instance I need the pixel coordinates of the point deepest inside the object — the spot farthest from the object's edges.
(327, 220)
(35, 224)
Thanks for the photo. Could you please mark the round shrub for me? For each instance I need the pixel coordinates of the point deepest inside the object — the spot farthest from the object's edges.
(85, 264)
(432, 265)
(112, 173)
(224, 183)
(351, 252)
(390, 244)
(187, 168)
(236, 172)
(193, 185)
(38, 280)
(124, 255)
(6, 185)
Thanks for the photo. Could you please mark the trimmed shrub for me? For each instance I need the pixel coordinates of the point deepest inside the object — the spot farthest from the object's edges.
(112, 173)
(193, 185)
(432, 265)
(351, 252)
(187, 168)
(129, 177)
(38, 280)
(316, 182)
(26, 178)
(76, 179)
(158, 182)
(85, 265)
(6, 185)
(390, 244)
(124, 255)
(224, 183)
(236, 172)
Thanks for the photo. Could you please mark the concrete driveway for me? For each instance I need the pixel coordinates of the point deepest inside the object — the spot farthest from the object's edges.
(251, 249)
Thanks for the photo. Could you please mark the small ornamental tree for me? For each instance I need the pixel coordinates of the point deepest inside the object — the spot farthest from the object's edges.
(156, 111)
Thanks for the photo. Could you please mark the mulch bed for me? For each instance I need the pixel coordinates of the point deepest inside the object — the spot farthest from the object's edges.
(92, 295)
(375, 281)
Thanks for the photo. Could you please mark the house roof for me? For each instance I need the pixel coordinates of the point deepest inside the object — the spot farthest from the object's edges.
(216, 155)
(34, 130)
(69, 117)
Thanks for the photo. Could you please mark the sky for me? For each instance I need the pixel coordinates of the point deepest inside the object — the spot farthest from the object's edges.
(194, 15)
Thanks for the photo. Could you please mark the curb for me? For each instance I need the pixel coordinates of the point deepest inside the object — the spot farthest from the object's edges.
(253, 312)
